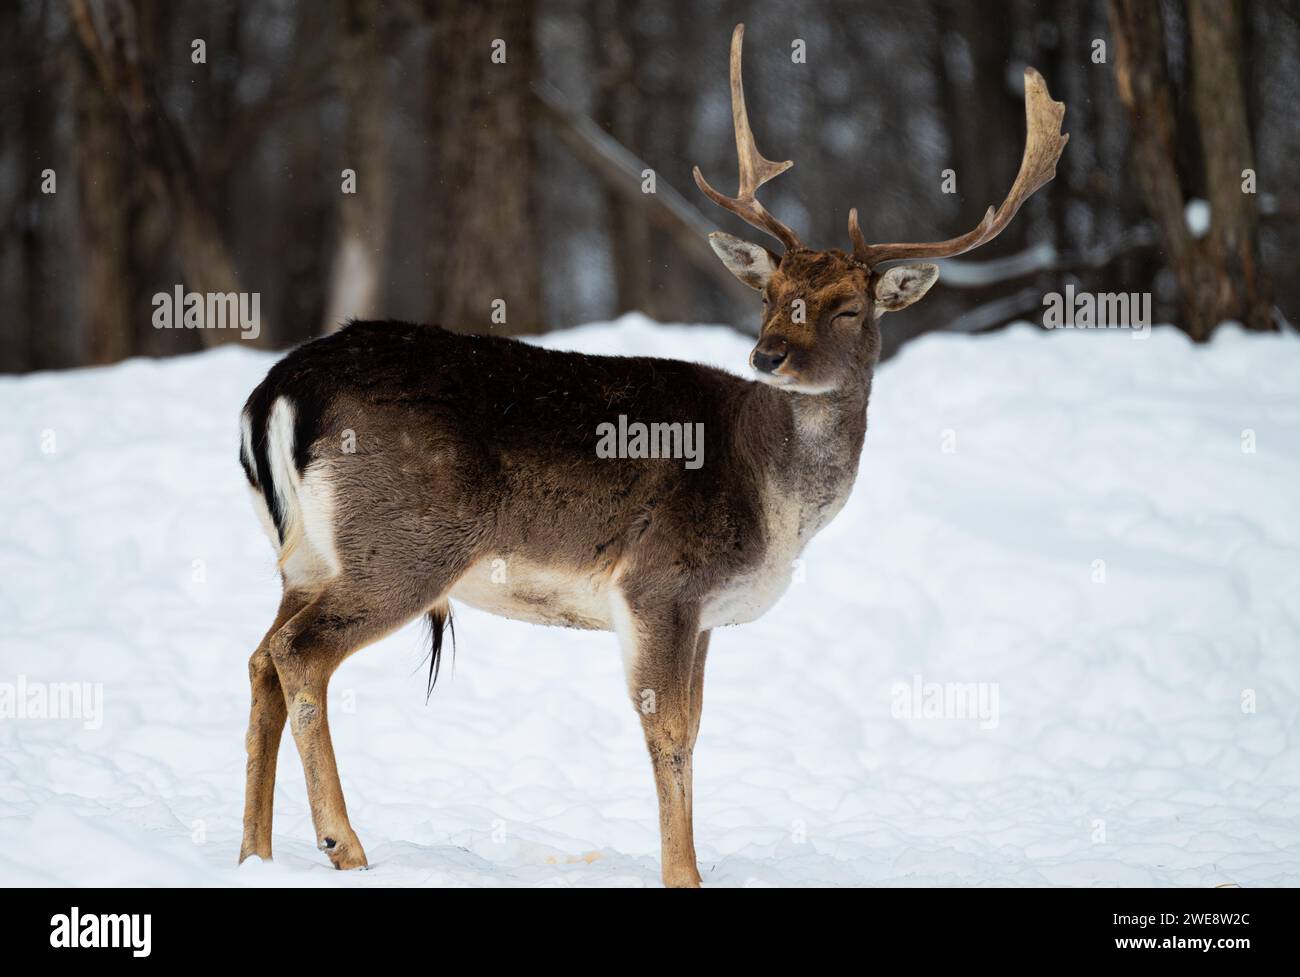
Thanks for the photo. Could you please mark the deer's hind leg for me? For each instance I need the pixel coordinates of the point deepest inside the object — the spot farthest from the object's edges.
(344, 618)
(265, 726)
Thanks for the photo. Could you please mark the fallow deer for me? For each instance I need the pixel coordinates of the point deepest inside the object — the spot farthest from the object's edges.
(394, 464)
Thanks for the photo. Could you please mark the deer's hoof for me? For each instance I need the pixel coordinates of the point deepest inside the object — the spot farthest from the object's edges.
(343, 854)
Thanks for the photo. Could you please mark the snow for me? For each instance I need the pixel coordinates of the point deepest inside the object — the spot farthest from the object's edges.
(1137, 731)
(1198, 216)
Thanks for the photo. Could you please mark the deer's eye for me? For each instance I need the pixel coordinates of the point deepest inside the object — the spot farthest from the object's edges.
(847, 314)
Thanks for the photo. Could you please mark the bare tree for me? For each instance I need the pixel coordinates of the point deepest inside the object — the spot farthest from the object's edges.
(213, 173)
(983, 122)
(1218, 98)
(28, 258)
(617, 110)
(1218, 277)
(358, 269)
(486, 241)
(103, 199)
(108, 30)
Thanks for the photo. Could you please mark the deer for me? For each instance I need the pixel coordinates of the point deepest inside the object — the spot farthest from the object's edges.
(394, 466)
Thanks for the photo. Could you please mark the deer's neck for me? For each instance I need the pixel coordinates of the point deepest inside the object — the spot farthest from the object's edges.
(829, 427)
(814, 461)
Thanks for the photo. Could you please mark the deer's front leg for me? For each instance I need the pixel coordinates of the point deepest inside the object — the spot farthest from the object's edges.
(697, 684)
(659, 648)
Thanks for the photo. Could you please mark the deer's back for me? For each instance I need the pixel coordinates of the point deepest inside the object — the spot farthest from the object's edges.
(418, 453)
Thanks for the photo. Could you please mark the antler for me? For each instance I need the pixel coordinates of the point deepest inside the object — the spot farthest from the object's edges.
(754, 169)
(1043, 146)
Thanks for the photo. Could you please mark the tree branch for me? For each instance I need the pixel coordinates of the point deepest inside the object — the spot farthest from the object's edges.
(621, 171)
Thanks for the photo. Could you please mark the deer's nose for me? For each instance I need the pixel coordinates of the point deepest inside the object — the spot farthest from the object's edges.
(766, 358)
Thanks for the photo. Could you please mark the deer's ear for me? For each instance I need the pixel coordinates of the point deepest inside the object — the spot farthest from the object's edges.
(904, 284)
(751, 263)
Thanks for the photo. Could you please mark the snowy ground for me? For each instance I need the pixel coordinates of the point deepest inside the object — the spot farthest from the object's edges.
(1146, 729)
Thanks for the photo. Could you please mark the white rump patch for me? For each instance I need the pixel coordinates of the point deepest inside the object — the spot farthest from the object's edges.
(264, 517)
(316, 559)
(246, 441)
(279, 454)
(308, 556)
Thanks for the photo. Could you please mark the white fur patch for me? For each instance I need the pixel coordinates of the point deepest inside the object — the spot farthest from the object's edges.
(246, 441)
(264, 517)
(524, 591)
(748, 597)
(625, 628)
(279, 454)
(259, 500)
(308, 556)
(314, 559)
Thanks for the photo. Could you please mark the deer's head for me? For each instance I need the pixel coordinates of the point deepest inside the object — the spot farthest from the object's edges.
(821, 309)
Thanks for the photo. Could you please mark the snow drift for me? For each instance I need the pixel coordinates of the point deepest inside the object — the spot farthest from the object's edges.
(1053, 639)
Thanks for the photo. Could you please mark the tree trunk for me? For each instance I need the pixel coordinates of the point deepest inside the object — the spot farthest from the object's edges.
(1219, 102)
(487, 239)
(1142, 79)
(103, 201)
(1218, 277)
(617, 112)
(356, 285)
(985, 124)
(44, 344)
(109, 33)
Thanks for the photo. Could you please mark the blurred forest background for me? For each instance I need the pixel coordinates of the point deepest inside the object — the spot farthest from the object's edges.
(523, 181)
